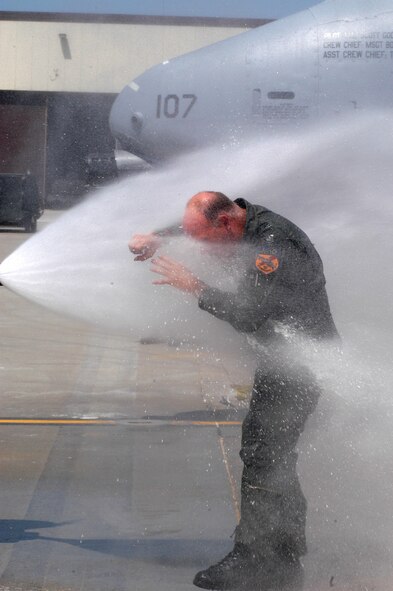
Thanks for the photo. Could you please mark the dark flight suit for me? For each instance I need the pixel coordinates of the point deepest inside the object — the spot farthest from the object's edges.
(283, 290)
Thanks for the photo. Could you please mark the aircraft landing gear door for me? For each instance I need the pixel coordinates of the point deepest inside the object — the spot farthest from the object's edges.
(282, 73)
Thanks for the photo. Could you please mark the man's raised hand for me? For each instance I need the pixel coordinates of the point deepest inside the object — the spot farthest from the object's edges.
(144, 245)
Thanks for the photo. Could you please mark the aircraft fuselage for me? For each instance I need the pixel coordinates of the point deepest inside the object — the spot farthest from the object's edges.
(328, 61)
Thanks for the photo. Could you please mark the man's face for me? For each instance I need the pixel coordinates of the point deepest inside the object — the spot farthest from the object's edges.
(217, 238)
(198, 227)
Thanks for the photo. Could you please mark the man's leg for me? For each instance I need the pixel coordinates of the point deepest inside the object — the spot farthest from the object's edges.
(273, 512)
(271, 532)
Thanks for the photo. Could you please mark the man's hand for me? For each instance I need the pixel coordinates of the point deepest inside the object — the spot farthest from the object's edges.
(177, 275)
(144, 246)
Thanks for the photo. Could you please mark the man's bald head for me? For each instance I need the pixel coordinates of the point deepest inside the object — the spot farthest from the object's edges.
(210, 204)
(211, 216)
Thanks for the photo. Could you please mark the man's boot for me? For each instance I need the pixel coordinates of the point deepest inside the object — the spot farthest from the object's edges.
(242, 569)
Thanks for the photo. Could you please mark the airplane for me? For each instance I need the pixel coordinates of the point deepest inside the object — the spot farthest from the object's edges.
(332, 60)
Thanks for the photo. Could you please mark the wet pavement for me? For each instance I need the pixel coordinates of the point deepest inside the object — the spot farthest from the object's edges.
(119, 460)
(115, 472)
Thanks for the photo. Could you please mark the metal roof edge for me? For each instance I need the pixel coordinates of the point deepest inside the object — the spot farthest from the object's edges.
(195, 21)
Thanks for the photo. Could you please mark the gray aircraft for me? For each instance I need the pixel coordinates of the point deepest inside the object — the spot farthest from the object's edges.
(332, 60)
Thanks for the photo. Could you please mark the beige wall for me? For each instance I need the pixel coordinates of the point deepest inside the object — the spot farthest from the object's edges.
(105, 57)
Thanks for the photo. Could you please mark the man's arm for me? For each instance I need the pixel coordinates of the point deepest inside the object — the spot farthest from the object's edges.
(170, 231)
(144, 246)
(177, 275)
(246, 310)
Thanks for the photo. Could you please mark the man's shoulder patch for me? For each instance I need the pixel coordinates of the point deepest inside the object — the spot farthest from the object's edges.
(267, 263)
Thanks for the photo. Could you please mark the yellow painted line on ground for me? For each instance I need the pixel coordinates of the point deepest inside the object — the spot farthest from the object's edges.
(134, 422)
(56, 422)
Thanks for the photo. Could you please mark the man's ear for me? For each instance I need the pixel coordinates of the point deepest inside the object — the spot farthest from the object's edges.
(223, 219)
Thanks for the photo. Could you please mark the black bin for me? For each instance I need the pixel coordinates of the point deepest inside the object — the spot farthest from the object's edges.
(20, 201)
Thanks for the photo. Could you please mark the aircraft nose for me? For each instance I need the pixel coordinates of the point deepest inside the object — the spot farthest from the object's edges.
(126, 122)
(137, 122)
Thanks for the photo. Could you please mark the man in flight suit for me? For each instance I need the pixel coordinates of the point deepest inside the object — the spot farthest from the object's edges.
(281, 296)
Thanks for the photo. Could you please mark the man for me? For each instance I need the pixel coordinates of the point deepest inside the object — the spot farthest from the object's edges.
(281, 297)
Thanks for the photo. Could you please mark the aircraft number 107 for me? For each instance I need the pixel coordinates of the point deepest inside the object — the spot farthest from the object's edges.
(172, 105)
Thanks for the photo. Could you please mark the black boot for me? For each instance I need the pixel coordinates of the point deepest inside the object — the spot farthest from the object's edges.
(229, 573)
(242, 569)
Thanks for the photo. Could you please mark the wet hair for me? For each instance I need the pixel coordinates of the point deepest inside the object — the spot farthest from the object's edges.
(216, 205)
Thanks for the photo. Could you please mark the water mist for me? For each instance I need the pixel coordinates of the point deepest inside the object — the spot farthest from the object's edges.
(335, 183)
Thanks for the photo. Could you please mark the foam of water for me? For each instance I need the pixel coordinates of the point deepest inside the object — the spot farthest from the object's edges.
(336, 183)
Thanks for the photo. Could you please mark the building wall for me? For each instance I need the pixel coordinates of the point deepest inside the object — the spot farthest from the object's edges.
(103, 57)
(58, 79)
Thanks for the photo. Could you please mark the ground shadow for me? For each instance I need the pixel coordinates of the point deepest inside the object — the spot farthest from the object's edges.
(15, 530)
(169, 552)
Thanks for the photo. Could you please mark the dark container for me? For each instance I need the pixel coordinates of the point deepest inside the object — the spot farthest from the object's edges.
(20, 201)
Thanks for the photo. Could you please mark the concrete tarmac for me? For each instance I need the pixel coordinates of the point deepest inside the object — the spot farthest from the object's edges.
(119, 460)
(116, 472)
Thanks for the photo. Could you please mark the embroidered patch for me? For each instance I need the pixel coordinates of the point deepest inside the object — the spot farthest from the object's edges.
(267, 263)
